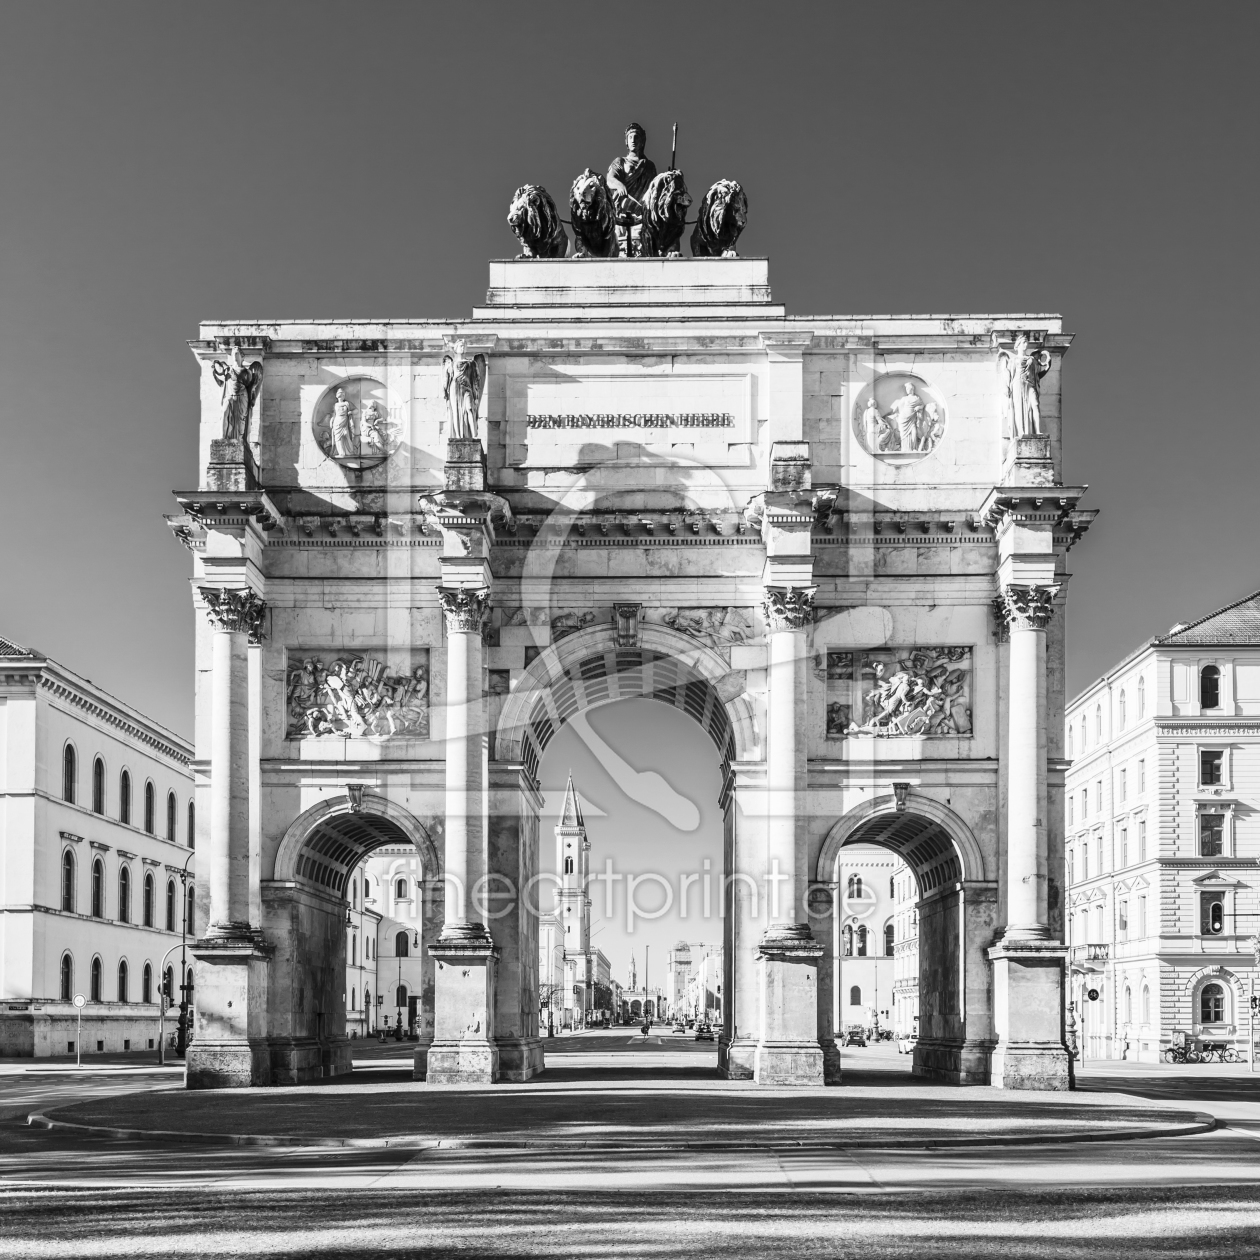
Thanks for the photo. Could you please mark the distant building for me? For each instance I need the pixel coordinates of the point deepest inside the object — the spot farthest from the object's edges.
(867, 966)
(363, 1007)
(1163, 840)
(704, 990)
(98, 823)
(566, 964)
(677, 978)
(905, 954)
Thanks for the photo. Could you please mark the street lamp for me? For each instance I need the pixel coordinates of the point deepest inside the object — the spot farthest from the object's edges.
(185, 986)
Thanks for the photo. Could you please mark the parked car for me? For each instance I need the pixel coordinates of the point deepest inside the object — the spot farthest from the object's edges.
(680, 1027)
(905, 1045)
(853, 1037)
(704, 1033)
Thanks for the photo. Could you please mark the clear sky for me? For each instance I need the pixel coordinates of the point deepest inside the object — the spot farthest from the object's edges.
(168, 163)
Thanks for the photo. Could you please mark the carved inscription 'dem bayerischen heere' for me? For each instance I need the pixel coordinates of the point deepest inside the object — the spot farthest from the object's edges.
(899, 691)
(338, 694)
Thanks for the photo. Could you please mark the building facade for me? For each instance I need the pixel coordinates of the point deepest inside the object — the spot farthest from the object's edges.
(905, 954)
(838, 543)
(866, 963)
(97, 820)
(1163, 854)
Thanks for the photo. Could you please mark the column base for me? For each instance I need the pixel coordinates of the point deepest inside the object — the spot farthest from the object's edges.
(1028, 1015)
(462, 1063)
(229, 1049)
(224, 1064)
(788, 1050)
(520, 1058)
(301, 1060)
(958, 1062)
(737, 1059)
(420, 1059)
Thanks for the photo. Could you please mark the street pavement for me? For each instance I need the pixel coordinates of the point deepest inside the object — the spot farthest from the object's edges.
(65, 1195)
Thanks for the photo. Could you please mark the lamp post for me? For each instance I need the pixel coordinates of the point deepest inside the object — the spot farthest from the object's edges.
(181, 1037)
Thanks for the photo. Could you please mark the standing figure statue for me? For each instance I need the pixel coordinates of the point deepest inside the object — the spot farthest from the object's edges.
(465, 383)
(341, 427)
(1021, 368)
(628, 179)
(905, 414)
(240, 386)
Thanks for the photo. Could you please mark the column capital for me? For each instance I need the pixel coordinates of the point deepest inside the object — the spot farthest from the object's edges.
(235, 608)
(465, 607)
(788, 607)
(1028, 606)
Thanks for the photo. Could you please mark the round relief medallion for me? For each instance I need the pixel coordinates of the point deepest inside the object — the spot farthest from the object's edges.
(353, 424)
(899, 416)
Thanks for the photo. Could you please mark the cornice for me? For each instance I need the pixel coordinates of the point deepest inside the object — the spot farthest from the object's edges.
(1207, 726)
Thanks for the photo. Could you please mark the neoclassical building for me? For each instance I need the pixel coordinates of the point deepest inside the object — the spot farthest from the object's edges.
(837, 543)
(866, 956)
(96, 827)
(1163, 855)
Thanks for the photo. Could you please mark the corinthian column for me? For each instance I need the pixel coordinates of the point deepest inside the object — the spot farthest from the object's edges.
(465, 610)
(1028, 610)
(236, 616)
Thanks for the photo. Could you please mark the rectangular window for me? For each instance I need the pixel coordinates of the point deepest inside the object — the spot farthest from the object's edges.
(1142, 775)
(1211, 913)
(1210, 768)
(1071, 811)
(1071, 866)
(1141, 917)
(1098, 789)
(1211, 835)
(1084, 802)
(1122, 921)
(1142, 840)
(1084, 861)
(1124, 784)
(1124, 846)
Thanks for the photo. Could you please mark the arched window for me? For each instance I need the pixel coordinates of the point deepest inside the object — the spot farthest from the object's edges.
(1123, 708)
(190, 912)
(192, 825)
(889, 938)
(124, 895)
(148, 806)
(855, 887)
(69, 773)
(98, 889)
(892, 886)
(400, 889)
(1098, 724)
(848, 942)
(1209, 690)
(1146, 1004)
(1212, 1004)
(98, 786)
(1071, 741)
(170, 816)
(67, 881)
(170, 905)
(568, 866)
(1128, 1005)
(367, 999)
(67, 978)
(400, 996)
(95, 992)
(150, 896)
(402, 945)
(1141, 698)
(124, 798)
(146, 984)
(122, 981)
(354, 951)
(353, 995)
(855, 995)
(861, 942)
(354, 893)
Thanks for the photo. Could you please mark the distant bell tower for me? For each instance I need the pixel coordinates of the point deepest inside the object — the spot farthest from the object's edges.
(573, 906)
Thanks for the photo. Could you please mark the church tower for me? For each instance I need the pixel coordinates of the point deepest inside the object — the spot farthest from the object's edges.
(573, 905)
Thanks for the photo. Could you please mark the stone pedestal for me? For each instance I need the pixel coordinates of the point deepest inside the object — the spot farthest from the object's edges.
(1028, 1015)
(465, 464)
(230, 1046)
(231, 466)
(1029, 461)
(788, 1050)
(464, 1050)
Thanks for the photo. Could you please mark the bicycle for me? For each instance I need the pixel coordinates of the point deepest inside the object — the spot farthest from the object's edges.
(1182, 1054)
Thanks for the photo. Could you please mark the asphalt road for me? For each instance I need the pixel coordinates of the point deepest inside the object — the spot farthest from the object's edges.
(1187, 1197)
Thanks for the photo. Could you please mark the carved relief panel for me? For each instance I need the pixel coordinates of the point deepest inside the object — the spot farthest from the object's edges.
(899, 416)
(358, 695)
(353, 423)
(899, 692)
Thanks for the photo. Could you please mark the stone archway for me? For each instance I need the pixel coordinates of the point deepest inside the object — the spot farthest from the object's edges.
(957, 913)
(304, 906)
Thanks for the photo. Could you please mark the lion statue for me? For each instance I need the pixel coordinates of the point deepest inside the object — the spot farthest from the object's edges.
(723, 216)
(536, 222)
(665, 206)
(594, 232)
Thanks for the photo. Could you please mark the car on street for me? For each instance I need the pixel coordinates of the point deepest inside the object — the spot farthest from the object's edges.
(704, 1033)
(853, 1037)
(680, 1027)
(905, 1045)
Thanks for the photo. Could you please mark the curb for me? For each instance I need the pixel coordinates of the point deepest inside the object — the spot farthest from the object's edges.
(1202, 1123)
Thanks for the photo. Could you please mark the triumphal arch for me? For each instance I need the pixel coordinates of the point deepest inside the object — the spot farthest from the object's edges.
(422, 546)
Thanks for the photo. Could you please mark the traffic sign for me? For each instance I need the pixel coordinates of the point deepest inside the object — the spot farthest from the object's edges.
(1092, 994)
(80, 1001)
